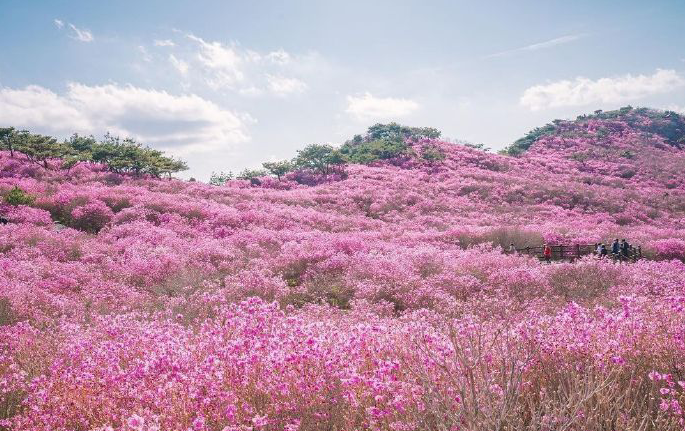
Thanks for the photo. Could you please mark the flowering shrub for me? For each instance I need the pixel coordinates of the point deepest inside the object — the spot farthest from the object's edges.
(670, 248)
(91, 217)
(382, 301)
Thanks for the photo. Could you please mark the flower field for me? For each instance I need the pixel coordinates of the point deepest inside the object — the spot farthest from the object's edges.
(381, 301)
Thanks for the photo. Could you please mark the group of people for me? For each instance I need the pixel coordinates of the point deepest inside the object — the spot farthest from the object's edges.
(619, 250)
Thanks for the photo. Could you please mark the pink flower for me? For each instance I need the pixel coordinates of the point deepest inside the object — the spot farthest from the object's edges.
(260, 421)
(136, 422)
(664, 405)
(199, 423)
(654, 376)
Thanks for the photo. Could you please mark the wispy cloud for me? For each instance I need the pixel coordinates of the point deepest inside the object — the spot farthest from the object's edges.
(540, 45)
(232, 67)
(585, 91)
(368, 107)
(165, 42)
(179, 65)
(80, 34)
(282, 86)
(77, 33)
(144, 54)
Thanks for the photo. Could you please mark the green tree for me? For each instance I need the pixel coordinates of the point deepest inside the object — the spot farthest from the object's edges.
(81, 150)
(129, 156)
(249, 174)
(7, 137)
(319, 158)
(394, 131)
(278, 169)
(221, 178)
(40, 149)
(385, 141)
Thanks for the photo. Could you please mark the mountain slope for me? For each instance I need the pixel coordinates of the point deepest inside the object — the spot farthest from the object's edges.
(364, 302)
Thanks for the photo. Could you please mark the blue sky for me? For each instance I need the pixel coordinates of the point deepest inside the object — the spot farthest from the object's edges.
(226, 85)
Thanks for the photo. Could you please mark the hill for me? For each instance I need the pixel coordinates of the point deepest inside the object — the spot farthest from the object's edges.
(370, 295)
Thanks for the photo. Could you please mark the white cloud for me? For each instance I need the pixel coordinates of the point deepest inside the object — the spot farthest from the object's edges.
(164, 42)
(228, 66)
(540, 45)
(283, 86)
(179, 65)
(224, 61)
(368, 107)
(179, 124)
(143, 52)
(81, 34)
(59, 23)
(584, 91)
(279, 57)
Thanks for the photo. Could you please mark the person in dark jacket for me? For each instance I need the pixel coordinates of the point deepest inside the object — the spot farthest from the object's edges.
(615, 248)
(625, 249)
(604, 252)
(3, 220)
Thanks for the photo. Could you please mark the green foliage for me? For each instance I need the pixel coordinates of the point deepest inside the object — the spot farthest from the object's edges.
(667, 124)
(17, 196)
(320, 158)
(129, 156)
(7, 139)
(278, 169)
(39, 148)
(379, 149)
(521, 145)
(432, 153)
(250, 174)
(120, 156)
(385, 141)
(381, 142)
(481, 147)
(394, 132)
(221, 178)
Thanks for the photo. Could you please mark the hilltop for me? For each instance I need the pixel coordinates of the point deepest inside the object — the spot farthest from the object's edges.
(357, 287)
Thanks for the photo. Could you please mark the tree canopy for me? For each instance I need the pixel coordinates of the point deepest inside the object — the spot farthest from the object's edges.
(385, 141)
(118, 155)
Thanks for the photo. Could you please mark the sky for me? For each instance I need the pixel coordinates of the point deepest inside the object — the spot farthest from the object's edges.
(227, 85)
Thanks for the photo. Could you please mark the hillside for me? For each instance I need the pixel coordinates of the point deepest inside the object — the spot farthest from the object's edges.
(377, 298)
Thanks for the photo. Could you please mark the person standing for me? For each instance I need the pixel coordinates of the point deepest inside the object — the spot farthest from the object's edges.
(547, 253)
(512, 248)
(604, 252)
(625, 249)
(615, 249)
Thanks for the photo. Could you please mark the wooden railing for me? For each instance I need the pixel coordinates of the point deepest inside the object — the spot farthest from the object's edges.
(572, 252)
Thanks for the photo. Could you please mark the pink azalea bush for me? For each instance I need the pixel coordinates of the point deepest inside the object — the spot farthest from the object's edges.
(382, 301)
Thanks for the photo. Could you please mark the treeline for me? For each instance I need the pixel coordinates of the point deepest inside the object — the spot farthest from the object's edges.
(668, 124)
(381, 142)
(124, 156)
